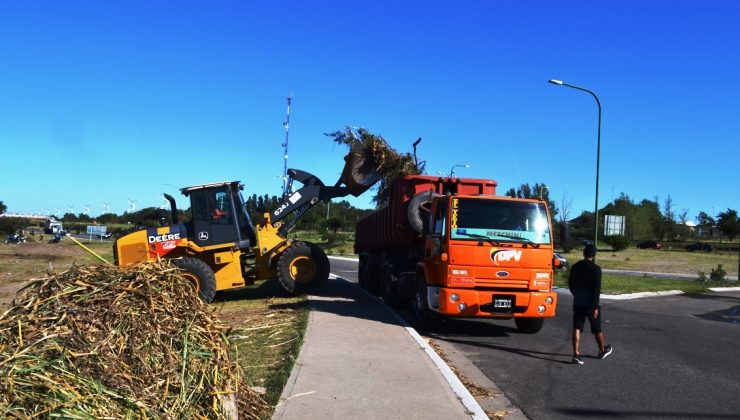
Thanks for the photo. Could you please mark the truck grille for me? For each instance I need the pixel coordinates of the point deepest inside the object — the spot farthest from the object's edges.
(503, 283)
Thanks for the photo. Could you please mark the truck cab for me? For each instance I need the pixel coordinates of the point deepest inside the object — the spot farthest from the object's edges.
(488, 256)
(455, 249)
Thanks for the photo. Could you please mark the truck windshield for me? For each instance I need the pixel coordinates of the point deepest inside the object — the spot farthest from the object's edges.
(499, 220)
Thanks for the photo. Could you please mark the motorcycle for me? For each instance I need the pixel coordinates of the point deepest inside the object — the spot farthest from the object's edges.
(15, 239)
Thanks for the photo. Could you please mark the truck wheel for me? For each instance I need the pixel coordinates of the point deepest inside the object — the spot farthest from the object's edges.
(419, 208)
(303, 268)
(529, 325)
(423, 317)
(390, 289)
(373, 281)
(362, 273)
(200, 274)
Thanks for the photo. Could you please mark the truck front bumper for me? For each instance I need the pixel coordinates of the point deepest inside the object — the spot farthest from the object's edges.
(491, 303)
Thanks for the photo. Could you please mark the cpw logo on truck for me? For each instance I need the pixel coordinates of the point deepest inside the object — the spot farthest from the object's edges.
(505, 255)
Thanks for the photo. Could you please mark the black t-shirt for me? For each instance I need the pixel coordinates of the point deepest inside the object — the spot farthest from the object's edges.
(584, 283)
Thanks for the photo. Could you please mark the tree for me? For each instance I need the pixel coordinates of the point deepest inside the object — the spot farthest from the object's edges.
(565, 239)
(668, 219)
(703, 219)
(538, 192)
(334, 223)
(3, 208)
(728, 223)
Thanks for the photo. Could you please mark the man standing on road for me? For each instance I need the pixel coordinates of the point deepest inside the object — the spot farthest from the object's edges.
(584, 283)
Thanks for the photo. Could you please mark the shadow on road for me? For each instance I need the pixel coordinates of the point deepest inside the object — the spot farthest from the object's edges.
(560, 358)
(632, 414)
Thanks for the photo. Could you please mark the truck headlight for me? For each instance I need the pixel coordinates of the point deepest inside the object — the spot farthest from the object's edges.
(548, 300)
(541, 309)
(454, 297)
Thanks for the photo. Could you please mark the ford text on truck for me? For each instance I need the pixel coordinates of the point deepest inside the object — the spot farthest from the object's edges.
(455, 249)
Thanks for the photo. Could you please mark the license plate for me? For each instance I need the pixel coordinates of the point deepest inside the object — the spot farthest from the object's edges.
(502, 302)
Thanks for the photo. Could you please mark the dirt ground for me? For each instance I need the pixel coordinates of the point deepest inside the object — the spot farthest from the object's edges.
(20, 263)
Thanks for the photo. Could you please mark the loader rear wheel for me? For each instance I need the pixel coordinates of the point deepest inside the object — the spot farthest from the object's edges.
(303, 268)
(200, 274)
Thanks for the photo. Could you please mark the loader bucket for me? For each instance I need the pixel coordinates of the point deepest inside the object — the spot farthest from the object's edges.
(360, 170)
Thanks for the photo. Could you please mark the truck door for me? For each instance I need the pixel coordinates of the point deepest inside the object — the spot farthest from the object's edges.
(436, 242)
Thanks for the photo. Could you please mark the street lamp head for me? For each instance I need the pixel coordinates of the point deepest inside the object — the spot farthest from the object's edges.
(452, 171)
(555, 82)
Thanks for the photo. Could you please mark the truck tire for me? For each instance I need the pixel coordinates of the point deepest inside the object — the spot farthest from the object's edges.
(390, 289)
(362, 272)
(419, 208)
(423, 317)
(303, 268)
(199, 274)
(529, 325)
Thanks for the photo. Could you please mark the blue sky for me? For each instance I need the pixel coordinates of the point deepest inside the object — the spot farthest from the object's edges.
(106, 101)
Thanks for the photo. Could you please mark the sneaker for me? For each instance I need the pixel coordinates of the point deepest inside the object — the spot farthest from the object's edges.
(577, 359)
(607, 351)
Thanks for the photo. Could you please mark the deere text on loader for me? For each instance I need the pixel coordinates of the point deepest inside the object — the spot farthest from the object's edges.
(220, 248)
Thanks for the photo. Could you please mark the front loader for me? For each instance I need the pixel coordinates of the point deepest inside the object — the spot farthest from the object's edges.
(220, 248)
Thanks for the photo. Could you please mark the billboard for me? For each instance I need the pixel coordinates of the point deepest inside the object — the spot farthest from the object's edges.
(613, 225)
(97, 230)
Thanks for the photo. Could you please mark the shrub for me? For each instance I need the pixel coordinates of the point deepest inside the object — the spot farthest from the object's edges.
(718, 274)
(618, 242)
(11, 225)
(702, 277)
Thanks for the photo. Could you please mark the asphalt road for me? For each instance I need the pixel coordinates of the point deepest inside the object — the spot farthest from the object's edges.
(674, 357)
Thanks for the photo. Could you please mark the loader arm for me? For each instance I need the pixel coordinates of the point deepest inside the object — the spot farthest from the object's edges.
(299, 202)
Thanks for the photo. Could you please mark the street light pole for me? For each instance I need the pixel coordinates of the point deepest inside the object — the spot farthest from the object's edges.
(452, 171)
(598, 154)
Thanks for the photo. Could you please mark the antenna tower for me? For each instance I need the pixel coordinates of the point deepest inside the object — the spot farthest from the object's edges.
(286, 124)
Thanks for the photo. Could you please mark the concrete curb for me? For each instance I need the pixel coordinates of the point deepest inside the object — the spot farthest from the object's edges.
(462, 393)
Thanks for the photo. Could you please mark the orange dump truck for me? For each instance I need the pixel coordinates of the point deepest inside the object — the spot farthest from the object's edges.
(455, 249)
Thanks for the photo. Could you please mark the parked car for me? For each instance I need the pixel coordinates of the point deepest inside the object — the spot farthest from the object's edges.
(107, 235)
(650, 245)
(698, 246)
(563, 261)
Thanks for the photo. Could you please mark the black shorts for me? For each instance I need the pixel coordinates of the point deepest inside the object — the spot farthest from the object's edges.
(580, 313)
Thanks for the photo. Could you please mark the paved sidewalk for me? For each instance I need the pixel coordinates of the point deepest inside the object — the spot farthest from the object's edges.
(359, 362)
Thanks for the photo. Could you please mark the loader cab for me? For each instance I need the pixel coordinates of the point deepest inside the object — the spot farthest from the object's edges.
(219, 215)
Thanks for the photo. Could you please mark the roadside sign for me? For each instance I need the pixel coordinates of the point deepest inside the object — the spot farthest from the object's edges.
(97, 230)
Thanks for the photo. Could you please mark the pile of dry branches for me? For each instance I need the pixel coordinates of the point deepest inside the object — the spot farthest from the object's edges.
(380, 157)
(107, 342)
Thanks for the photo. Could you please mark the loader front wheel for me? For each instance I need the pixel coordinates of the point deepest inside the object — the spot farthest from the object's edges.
(199, 274)
(303, 268)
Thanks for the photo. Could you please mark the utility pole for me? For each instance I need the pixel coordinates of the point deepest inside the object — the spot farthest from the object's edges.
(286, 124)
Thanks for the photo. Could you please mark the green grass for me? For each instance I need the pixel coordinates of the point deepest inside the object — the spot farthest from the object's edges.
(268, 329)
(620, 284)
(341, 244)
(661, 261)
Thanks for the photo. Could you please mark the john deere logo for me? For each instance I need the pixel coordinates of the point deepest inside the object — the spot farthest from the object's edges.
(203, 236)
